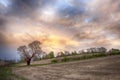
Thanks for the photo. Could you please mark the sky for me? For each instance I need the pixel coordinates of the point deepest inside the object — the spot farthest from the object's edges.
(60, 25)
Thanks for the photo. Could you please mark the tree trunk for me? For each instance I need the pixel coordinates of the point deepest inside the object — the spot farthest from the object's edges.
(28, 62)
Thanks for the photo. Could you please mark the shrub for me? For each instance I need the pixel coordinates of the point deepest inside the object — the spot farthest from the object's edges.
(50, 55)
(99, 55)
(76, 58)
(54, 61)
(115, 53)
(86, 56)
(74, 53)
(65, 59)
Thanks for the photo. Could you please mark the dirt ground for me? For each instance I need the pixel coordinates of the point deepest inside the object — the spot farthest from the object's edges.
(107, 68)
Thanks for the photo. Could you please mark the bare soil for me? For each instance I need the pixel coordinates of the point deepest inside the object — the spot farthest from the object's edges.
(106, 68)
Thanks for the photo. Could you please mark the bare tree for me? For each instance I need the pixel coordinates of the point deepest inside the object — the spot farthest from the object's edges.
(102, 50)
(30, 51)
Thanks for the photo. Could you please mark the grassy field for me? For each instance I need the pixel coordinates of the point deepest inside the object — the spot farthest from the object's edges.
(22, 72)
(78, 57)
(7, 74)
(66, 59)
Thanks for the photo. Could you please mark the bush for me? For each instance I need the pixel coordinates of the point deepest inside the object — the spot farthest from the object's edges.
(74, 53)
(115, 53)
(65, 59)
(76, 58)
(99, 55)
(50, 55)
(86, 57)
(95, 55)
(54, 61)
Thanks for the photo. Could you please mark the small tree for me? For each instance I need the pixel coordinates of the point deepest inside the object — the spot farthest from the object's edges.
(102, 50)
(114, 51)
(51, 54)
(30, 51)
(74, 53)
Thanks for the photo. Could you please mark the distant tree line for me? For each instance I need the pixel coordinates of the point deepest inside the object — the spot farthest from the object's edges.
(6, 62)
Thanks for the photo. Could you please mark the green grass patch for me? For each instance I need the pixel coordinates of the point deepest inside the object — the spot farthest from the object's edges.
(6, 74)
(83, 57)
(54, 61)
(65, 59)
(115, 53)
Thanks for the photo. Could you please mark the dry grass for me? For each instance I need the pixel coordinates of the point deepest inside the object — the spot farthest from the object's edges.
(106, 68)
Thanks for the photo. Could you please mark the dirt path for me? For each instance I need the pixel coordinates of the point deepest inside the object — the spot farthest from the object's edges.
(107, 68)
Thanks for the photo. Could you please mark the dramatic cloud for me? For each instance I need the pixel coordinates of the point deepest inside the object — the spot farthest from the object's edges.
(59, 24)
(3, 23)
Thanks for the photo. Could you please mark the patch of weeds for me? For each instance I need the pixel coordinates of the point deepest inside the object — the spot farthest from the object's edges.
(6, 74)
(115, 53)
(99, 55)
(54, 61)
(83, 57)
(65, 59)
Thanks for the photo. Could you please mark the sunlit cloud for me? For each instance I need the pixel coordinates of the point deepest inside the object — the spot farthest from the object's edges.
(48, 14)
(60, 24)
